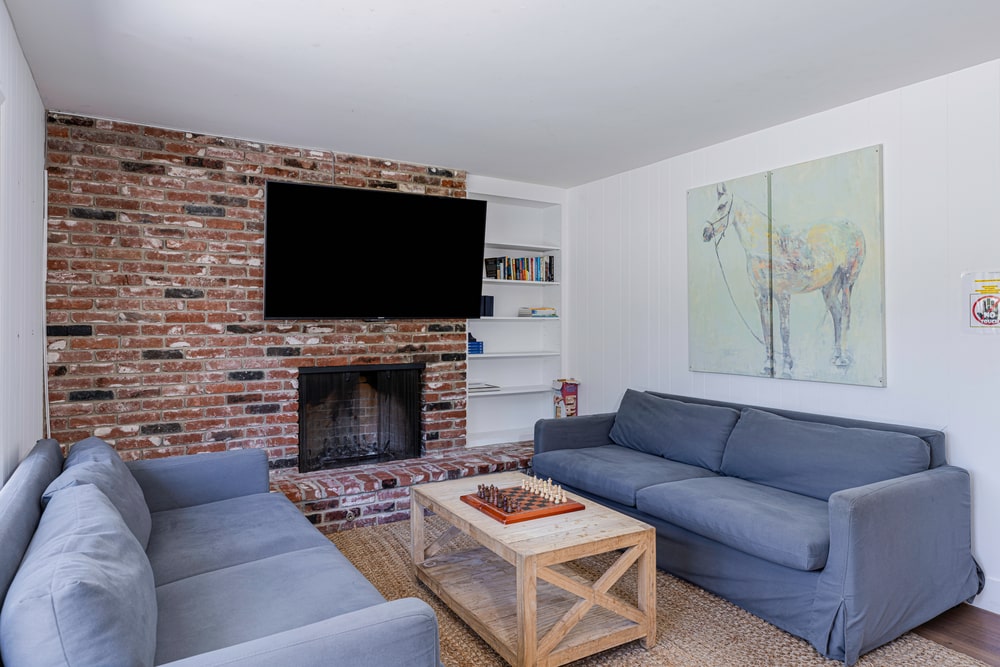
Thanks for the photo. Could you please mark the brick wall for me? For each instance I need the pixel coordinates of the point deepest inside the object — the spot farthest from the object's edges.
(156, 340)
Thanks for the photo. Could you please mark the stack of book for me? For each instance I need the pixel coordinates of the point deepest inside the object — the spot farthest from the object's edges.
(475, 346)
(537, 269)
(477, 387)
(536, 311)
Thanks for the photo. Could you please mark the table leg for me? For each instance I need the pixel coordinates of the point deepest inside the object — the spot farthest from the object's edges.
(418, 547)
(647, 590)
(527, 610)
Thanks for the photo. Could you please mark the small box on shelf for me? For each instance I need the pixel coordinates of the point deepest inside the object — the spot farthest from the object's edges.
(564, 396)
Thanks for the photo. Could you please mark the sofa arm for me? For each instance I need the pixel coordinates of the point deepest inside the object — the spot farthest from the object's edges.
(183, 481)
(900, 554)
(573, 432)
(401, 632)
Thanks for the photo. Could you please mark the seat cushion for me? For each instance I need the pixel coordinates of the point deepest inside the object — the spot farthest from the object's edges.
(611, 471)
(817, 459)
(84, 594)
(236, 604)
(686, 432)
(776, 525)
(201, 538)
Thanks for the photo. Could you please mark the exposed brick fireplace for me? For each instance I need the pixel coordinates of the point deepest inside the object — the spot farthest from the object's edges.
(156, 336)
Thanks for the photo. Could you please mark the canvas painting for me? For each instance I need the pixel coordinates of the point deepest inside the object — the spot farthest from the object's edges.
(725, 326)
(785, 272)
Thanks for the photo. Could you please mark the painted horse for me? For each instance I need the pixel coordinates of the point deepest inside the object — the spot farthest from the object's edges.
(825, 256)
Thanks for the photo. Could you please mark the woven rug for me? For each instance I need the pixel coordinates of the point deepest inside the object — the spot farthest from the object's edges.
(694, 628)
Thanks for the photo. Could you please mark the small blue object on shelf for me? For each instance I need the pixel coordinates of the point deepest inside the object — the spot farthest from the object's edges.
(475, 346)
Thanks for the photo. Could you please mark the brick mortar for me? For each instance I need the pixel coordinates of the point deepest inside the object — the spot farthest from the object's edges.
(154, 296)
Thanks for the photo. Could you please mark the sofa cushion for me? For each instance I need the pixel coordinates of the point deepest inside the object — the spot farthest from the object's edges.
(779, 526)
(818, 459)
(201, 538)
(90, 449)
(93, 461)
(686, 432)
(84, 592)
(251, 600)
(19, 506)
(611, 471)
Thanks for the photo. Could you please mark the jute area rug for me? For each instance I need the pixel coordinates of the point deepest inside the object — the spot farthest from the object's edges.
(694, 628)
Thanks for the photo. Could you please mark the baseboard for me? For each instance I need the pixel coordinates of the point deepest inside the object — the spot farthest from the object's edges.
(989, 599)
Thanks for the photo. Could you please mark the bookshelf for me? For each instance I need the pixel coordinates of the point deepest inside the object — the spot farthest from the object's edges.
(522, 355)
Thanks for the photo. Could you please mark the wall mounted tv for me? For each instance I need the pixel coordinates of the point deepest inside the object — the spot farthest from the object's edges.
(352, 253)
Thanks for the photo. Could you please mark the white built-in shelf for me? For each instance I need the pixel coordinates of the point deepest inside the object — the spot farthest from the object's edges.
(476, 439)
(515, 318)
(514, 355)
(536, 283)
(517, 389)
(525, 247)
(523, 220)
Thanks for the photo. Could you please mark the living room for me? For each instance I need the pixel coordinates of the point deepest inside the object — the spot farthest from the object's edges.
(624, 280)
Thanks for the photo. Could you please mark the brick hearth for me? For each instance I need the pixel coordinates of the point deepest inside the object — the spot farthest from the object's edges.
(345, 498)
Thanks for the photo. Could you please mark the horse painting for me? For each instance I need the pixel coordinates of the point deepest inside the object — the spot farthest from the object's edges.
(781, 262)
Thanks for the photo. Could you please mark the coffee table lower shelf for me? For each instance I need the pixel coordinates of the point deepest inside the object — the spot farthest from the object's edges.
(479, 587)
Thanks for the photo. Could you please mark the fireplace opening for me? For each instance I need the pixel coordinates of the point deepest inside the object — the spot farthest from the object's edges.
(353, 415)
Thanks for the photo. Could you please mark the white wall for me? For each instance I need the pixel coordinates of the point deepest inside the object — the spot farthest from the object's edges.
(627, 284)
(22, 234)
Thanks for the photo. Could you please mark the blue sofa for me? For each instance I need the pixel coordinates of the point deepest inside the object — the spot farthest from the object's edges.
(843, 532)
(183, 561)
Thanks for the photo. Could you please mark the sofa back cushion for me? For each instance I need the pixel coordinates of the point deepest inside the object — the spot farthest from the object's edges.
(19, 506)
(817, 459)
(90, 449)
(685, 432)
(93, 461)
(84, 593)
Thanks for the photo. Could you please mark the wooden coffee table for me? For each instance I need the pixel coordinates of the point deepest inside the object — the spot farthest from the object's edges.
(514, 587)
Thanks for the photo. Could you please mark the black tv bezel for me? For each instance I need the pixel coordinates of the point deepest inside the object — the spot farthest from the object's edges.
(377, 200)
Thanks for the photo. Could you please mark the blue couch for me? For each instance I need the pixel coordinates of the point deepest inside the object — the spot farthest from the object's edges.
(843, 532)
(183, 561)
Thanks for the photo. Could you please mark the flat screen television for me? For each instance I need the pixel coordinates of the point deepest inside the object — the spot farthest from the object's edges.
(353, 253)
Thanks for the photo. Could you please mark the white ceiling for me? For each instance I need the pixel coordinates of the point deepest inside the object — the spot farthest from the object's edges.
(558, 92)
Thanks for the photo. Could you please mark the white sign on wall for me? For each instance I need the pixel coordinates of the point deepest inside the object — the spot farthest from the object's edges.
(981, 296)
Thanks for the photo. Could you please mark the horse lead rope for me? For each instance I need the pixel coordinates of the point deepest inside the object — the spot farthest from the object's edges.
(725, 280)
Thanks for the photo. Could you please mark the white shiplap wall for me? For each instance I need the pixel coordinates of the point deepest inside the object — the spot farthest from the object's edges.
(627, 287)
(22, 234)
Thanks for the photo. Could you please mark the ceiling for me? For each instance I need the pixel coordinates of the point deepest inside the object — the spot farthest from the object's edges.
(558, 92)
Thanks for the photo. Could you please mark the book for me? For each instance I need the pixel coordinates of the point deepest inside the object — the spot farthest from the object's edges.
(536, 311)
(530, 269)
(476, 387)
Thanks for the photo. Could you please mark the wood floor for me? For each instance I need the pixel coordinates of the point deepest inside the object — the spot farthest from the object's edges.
(966, 629)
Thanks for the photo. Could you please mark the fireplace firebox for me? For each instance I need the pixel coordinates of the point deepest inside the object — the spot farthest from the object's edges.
(354, 415)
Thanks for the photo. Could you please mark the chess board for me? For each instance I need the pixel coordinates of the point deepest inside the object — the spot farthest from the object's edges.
(533, 506)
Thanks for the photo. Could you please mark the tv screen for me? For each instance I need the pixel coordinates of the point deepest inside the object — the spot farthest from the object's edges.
(352, 253)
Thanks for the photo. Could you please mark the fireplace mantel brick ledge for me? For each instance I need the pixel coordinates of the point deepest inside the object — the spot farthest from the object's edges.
(345, 498)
